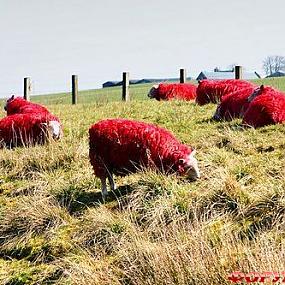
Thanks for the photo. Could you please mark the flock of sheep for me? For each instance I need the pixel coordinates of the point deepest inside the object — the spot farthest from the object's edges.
(121, 146)
(257, 106)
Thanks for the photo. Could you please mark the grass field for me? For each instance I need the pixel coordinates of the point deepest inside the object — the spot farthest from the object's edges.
(155, 229)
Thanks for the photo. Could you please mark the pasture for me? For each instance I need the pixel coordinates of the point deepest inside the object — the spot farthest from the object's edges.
(155, 229)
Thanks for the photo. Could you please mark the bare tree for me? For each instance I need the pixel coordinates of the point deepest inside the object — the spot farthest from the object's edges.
(273, 64)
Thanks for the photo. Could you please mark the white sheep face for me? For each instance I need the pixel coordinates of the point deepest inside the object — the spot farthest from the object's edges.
(190, 165)
(55, 129)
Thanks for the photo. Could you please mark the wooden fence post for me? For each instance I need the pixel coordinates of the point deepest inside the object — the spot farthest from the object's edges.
(182, 75)
(126, 84)
(74, 89)
(238, 72)
(27, 88)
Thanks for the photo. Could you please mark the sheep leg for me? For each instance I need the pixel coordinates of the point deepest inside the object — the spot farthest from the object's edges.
(104, 187)
(111, 181)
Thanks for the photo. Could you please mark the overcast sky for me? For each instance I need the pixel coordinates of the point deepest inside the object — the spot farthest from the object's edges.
(49, 40)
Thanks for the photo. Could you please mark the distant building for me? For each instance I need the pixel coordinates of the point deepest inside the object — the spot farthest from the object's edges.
(141, 81)
(110, 84)
(276, 74)
(225, 74)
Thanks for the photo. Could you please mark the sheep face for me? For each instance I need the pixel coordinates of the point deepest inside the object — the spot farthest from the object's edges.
(153, 91)
(217, 115)
(54, 128)
(190, 166)
(256, 93)
(8, 101)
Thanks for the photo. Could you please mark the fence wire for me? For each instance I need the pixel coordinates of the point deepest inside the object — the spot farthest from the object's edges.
(111, 94)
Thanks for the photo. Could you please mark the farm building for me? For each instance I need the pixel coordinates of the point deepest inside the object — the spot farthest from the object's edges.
(116, 83)
(276, 74)
(141, 81)
(225, 74)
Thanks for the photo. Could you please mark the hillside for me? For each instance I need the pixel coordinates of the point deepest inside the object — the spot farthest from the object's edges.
(155, 229)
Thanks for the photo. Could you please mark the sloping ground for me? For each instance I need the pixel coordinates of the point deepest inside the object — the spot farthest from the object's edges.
(55, 229)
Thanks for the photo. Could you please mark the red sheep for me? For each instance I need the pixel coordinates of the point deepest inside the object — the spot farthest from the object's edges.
(18, 105)
(28, 129)
(233, 105)
(267, 107)
(211, 91)
(180, 91)
(121, 146)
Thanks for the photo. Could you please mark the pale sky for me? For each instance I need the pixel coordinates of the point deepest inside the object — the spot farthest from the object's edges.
(49, 40)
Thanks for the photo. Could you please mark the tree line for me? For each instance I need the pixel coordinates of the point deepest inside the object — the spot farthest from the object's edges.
(273, 64)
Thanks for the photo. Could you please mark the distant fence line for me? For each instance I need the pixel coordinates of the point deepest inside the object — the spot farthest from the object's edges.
(125, 84)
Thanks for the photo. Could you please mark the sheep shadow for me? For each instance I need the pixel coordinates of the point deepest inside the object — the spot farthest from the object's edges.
(234, 126)
(207, 121)
(77, 202)
(119, 193)
(225, 125)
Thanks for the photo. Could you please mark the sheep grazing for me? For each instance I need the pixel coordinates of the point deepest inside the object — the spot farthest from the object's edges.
(267, 107)
(211, 91)
(233, 105)
(179, 91)
(18, 105)
(28, 129)
(121, 146)
(30, 123)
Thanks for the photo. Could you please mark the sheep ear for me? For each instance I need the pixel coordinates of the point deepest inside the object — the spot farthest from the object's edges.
(261, 87)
